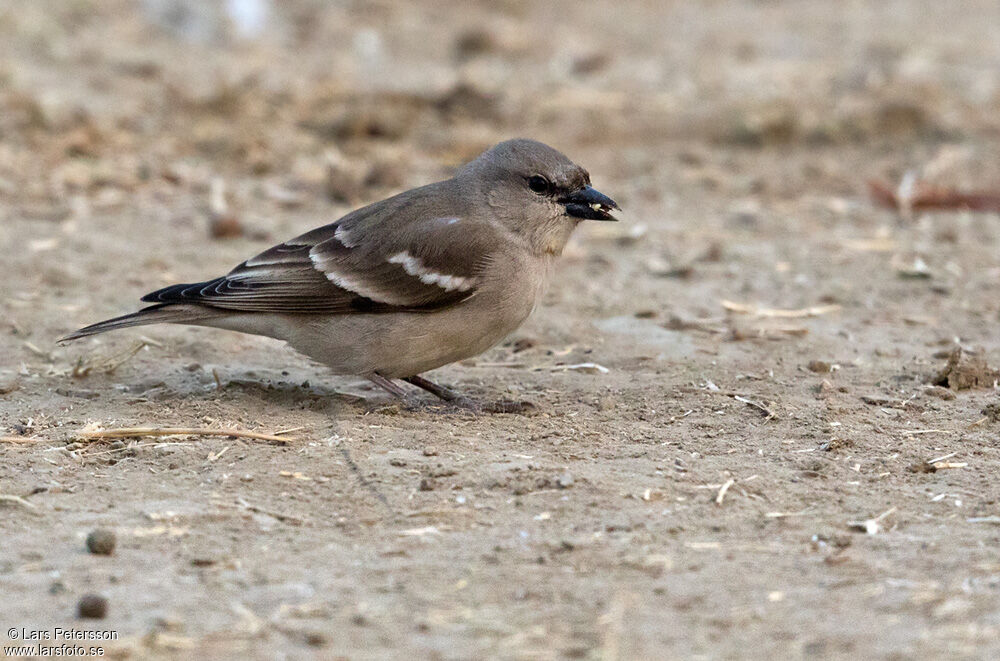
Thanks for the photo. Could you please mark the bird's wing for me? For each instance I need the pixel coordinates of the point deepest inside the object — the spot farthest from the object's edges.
(361, 263)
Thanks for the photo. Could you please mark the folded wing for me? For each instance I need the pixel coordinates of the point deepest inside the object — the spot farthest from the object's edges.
(361, 263)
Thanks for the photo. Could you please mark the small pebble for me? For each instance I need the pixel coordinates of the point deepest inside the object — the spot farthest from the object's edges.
(316, 639)
(819, 366)
(225, 227)
(92, 606)
(101, 542)
(939, 392)
(524, 343)
(564, 481)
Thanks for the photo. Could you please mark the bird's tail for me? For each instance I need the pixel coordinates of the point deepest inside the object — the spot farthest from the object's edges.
(154, 314)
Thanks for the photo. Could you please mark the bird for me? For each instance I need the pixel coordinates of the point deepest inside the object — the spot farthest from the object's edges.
(428, 277)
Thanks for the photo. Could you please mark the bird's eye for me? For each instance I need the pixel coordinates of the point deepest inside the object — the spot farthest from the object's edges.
(538, 184)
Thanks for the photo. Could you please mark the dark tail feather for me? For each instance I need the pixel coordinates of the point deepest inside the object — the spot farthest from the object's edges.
(154, 314)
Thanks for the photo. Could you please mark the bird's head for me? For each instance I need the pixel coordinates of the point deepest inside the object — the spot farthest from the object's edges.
(537, 192)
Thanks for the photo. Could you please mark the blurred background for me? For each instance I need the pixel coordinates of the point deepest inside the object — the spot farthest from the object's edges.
(293, 101)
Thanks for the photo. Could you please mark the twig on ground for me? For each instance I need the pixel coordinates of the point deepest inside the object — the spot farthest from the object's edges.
(813, 311)
(984, 519)
(941, 458)
(943, 465)
(782, 515)
(19, 439)
(129, 432)
(215, 455)
(757, 405)
(722, 491)
(106, 364)
(7, 498)
(740, 397)
(870, 526)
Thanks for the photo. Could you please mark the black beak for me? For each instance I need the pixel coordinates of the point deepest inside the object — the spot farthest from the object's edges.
(589, 204)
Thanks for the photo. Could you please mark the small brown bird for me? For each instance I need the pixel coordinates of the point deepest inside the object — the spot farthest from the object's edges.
(433, 275)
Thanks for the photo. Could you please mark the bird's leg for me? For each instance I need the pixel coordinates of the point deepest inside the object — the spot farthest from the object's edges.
(449, 395)
(387, 385)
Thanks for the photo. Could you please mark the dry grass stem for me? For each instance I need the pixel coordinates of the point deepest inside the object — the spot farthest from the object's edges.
(770, 415)
(17, 440)
(106, 364)
(17, 500)
(130, 432)
(722, 491)
(777, 313)
(290, 430)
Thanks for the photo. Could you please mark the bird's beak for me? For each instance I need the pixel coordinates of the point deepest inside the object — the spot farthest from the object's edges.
(589, 204)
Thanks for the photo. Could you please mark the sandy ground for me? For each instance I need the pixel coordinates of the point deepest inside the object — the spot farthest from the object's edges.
(736, 485)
